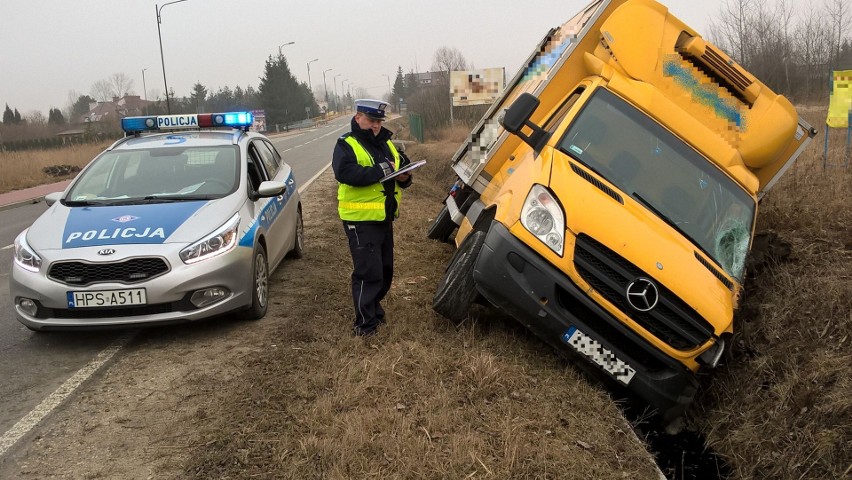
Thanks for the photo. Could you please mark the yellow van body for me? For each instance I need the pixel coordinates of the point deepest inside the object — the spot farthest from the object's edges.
(621, 236)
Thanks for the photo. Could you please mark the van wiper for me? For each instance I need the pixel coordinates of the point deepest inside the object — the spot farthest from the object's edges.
(658, 213)
(671, 223)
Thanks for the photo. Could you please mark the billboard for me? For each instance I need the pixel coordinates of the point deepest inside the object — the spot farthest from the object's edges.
(258, 120)
(476, 87)
(840, 106)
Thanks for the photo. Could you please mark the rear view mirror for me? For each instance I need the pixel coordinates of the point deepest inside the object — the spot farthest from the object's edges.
(270, 188)
(52, 198)
(518, 116)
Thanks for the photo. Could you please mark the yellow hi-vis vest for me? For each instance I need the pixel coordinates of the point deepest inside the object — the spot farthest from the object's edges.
(362, 204)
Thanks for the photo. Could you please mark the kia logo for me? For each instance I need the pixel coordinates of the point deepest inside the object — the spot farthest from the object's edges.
(106, 251)
(642, 294)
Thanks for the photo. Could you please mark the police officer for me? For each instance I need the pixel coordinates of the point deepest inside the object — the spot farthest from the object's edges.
(368, 206)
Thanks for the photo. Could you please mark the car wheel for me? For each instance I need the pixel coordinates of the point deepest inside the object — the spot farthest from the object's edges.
(299, 245)
(260, 285)
(443, 226)
(457, 290)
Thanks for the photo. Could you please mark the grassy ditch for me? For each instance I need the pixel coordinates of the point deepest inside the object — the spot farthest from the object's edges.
(27, 168)
(780, 406)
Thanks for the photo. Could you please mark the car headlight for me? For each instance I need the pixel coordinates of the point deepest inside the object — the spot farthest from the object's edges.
(220, 241)
(25, 256)
(543, 217)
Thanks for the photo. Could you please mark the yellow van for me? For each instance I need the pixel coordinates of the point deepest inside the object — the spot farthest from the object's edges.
(608, 199)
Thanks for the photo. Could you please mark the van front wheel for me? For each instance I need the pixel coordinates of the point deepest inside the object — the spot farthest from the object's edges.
(457, 290)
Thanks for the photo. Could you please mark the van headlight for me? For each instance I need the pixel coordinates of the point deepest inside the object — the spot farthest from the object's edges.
(25, 256)
(543, 217)
(220, 241)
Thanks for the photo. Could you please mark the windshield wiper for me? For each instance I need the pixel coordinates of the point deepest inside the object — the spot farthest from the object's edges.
(176, 198)
(78, 203)
(671, 223)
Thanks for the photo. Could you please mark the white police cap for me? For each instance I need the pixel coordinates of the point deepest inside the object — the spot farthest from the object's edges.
(372, 108)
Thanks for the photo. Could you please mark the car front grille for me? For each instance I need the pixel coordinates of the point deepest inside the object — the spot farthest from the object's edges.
(671, 320)
(134, 270)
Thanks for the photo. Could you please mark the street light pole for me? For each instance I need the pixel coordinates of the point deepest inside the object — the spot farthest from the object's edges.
(336, 98)
(324, 86)
(343, 90)
(145, 89)
(283, 45)
(309, 72)
(162, 61)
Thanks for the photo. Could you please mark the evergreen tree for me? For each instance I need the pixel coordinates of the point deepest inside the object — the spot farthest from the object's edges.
(18, 119)
(55, 117)
(281, 96)
(198, 97)
(80, 106)
(398, 87)
(8, 116)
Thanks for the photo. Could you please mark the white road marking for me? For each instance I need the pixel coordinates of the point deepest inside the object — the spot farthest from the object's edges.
(7, 247)
(53, 400)
(305, 186)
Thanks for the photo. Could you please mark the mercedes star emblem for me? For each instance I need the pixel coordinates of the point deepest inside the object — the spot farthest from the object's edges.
(642, 294)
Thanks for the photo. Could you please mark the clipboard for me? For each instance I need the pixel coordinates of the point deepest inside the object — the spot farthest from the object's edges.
(404, 169)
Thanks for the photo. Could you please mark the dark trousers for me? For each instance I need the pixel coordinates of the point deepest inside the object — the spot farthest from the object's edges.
(371, 246)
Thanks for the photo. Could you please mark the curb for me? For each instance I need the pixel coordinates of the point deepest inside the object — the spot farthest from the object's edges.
(20, 203)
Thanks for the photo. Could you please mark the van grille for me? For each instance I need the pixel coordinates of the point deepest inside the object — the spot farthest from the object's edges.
(671, 320)
(133, 270)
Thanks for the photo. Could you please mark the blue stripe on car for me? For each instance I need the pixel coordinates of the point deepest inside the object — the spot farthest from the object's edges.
(125, 224)
(268, 213)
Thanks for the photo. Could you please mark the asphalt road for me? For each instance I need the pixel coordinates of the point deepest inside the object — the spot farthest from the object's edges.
(33, 365)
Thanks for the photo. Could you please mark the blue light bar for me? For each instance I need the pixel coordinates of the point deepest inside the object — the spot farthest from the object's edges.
(138, 124)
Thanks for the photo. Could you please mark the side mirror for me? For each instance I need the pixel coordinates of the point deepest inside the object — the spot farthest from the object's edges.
(518, 116)
(52, 198)
(270, 188)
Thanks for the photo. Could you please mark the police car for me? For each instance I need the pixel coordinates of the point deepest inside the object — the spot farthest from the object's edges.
(182, 219)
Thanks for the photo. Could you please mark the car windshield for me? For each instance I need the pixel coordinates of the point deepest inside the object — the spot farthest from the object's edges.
(161, 174)
(671, 179)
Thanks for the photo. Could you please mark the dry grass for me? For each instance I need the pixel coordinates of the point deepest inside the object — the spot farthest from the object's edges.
(422, 399)
(24, 169)
(781, 407)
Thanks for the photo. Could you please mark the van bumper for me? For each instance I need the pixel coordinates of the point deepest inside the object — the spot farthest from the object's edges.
(513, 277)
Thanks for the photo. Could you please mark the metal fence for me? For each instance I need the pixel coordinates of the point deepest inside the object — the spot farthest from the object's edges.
(415, 124)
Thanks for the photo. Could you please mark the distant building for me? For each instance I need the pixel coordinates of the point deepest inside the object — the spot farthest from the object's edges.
(429, 78)
(126, 106)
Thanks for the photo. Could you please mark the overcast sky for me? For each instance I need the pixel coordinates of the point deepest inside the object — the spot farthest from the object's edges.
(51, 47)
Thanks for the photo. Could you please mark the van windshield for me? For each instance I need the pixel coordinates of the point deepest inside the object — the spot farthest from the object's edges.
(667, 176)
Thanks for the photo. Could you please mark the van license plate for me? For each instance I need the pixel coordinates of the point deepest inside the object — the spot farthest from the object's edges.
(594, 351)
(107, 298)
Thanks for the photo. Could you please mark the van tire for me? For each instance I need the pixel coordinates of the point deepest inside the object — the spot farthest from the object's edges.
(457, 289)
(443, 226)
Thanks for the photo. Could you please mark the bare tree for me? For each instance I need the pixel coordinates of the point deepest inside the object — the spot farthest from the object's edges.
(121, 84)
(36, 117)
(446, 60)
(840, 14)
(102, 90)
(116, 85)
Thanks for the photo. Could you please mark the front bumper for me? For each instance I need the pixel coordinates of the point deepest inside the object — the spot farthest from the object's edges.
(167, 295)
(510, 275)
